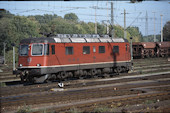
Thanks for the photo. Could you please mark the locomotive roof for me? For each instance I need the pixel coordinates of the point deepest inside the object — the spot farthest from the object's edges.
(75, 38)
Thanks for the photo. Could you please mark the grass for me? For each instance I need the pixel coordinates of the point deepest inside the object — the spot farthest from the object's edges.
(25, 109)
(2, 84)
(74, 110)
(101, 109)
(150, 101)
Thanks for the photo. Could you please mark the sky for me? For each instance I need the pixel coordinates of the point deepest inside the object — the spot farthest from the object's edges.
(135, 12)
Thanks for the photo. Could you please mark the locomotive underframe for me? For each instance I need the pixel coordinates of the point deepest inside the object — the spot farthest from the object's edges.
(61, 72)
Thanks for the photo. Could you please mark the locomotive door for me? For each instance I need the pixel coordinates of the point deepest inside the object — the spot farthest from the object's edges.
(94, 54)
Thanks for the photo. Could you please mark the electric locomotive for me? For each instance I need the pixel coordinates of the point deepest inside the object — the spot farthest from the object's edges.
(63, 55)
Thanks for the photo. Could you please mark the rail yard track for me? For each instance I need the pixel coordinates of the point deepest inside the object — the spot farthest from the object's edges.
(140, 91)
(140, 66)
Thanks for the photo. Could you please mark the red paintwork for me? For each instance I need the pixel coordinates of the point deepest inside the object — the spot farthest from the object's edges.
(60, 58)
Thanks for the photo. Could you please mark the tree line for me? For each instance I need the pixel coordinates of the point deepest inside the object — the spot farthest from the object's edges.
(14, 28)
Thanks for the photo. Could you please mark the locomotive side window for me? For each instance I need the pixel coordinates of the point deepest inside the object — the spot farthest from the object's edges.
(86, 49)
(53, 49)
(94, 49)
(101, 49)
(46, 49)
(115, 49)
(37, 49)
(23, 50)
(69, 50)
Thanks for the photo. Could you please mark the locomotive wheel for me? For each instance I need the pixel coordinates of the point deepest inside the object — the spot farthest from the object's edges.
(85, 73)
(22, 79)
(93, 72)
(70, 74)
(61, 76)
(117, 70)
(105, 75)
(99, 72)
(123, 69)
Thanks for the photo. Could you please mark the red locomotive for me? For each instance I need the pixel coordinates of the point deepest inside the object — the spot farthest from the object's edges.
(64, 55)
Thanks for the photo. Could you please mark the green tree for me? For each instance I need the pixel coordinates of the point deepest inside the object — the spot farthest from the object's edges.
(135, 33)
(23, 27)
(46, 18)
(101, 29)
(61, 26)
(91, 27)
(4, 28)
(71, 16)
(5, 13)
(17, 28)
(44, 21)
(82, 28)
(118, 31)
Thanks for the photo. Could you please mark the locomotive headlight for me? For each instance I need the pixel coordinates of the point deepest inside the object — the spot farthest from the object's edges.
(20, 65)
(38, 65)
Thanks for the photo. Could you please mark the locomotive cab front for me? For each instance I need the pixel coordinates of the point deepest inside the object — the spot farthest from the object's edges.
(32, 57)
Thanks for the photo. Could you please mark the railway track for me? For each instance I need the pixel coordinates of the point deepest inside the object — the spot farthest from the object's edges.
(117, 94)
(15, 90)
(140, 66)
(118, 90)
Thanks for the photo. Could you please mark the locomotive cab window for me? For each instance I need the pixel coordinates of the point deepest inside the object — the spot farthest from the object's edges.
(53, 49)
(37, 49)
(115, 49)
(46, 49)
(86, 49)
(101, 49)
(69, 50)
(23, 50)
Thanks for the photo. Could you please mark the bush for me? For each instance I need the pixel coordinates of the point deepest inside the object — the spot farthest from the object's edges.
(24, 109)
(2, 84)
(101, 109)
(9, 56)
